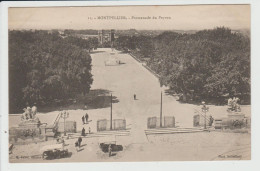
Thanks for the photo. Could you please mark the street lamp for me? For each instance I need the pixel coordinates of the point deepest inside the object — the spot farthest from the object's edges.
(111, 119)
(205, 109)
(161, 112)
(64, 115)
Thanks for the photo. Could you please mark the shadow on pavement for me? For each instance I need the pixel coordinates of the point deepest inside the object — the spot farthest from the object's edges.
(95, 99)
(196, 100)
(99, 51)
(83, 145)
(99, 98)
(80, 150)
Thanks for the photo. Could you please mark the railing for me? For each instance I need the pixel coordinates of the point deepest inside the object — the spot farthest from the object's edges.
(147, 67)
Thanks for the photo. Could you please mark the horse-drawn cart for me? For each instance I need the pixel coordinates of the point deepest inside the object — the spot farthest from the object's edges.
(108, 145)
(55, 151)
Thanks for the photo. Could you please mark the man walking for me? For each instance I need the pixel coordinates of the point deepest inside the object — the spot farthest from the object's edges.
(83, 119)
(79, 141)
(78, 144)
(83, 132)
(86, 117)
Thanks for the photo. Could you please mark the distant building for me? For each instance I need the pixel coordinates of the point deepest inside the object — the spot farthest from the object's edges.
(85, 36)
(106, 36)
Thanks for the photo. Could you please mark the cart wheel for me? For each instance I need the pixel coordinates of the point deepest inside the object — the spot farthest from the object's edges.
(58, 154)
(44, 155)
(64, 153)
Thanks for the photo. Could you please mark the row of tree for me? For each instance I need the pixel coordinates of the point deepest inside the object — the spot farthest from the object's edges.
(87, 44)
(209, 64)
(44, 67)
(89, 32)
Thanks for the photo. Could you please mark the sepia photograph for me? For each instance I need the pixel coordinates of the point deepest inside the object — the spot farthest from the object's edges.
(129, 83)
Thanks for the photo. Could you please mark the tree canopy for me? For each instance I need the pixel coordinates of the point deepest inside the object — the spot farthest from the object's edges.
(44, 67)
(208, 64)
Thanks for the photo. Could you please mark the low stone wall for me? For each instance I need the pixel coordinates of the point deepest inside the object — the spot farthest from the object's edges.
(167, 122)
(102, 125)
(117, 124)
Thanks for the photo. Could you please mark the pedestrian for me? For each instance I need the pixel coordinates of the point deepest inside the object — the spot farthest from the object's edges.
(134, 96)
(83, 120)
(86, 117)
(211, 120)
(83, 132)
(79, 141)
(77, 145)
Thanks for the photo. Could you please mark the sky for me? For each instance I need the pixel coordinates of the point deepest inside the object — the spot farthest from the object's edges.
(189, 17)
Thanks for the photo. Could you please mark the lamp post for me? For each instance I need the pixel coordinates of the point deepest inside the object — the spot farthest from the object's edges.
(64, 115)
(111, 119)
(205, 109)
(161, 112)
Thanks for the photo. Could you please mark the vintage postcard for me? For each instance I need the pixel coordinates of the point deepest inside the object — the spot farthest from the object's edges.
(129, 83)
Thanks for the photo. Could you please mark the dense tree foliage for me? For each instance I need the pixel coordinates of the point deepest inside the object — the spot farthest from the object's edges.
(44, 67)
(89, 32)
(88, 44)
(142, 44)
(210, 63)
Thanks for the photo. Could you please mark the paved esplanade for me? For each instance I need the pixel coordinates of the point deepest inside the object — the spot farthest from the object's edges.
(124, 81)
(131, 78)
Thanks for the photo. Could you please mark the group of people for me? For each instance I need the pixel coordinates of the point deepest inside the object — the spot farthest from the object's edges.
(233, 104)
(85, 117)
(29, 113)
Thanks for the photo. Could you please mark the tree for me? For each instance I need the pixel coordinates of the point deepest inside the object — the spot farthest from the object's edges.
(208, 64)
(44, 67)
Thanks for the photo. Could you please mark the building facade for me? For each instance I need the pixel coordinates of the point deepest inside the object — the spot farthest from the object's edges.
(106, 36)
